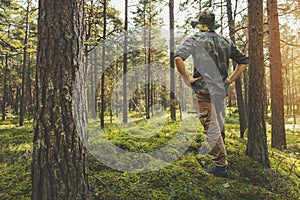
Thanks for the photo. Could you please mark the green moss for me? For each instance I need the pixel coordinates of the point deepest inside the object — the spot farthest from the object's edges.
(15, 161)
(182, 179)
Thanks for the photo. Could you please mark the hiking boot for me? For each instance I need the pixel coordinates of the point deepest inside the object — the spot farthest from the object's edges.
(217, 171)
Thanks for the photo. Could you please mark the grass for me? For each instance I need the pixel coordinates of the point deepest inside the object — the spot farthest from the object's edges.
(15, 160)
(182, 179)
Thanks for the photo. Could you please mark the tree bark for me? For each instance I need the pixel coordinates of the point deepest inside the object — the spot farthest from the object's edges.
(257, 139)
(125, 102)
(149, 85)
(103, 104)
(29, 89)
(59, 165)
(5, 88)
(172, 64)
(23, 99)
(148, 99)
(277, 104)
(93, 86)
(238, 82)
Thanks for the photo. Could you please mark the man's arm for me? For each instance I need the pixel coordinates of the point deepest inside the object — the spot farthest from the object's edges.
(181, 69)
(240, 68)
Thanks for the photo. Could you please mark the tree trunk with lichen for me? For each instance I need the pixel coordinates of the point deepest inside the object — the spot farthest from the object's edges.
(59, 168)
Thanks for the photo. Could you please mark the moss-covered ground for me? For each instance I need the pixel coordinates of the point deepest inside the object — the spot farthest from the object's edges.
(182, 179)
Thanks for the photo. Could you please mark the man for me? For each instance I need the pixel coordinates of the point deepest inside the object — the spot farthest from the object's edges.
(211, 53)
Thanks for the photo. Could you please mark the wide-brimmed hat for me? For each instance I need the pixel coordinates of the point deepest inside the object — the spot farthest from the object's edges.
(206, 18)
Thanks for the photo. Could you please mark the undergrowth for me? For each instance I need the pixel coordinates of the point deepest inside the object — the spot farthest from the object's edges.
(184, 178)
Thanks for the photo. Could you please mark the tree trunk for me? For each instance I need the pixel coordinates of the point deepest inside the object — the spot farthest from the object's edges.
(257, 140)
(22, 99)
(16, 101)
(103, 106)
(5, 81)
(117, 93)
(246, 92)
(59, 168)
(172, 64)
(238, 82)
(5, 88)
(293, 91)
(93, 87)
(148, 102)
(28, 89)
(125, 102)
(277, 104)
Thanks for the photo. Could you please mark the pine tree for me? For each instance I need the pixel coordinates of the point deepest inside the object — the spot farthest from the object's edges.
(257, 140)
(238, 82)
(277, 104)
(172, 65)
(59, 169)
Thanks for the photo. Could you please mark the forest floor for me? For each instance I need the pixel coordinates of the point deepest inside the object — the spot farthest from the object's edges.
(183, 178)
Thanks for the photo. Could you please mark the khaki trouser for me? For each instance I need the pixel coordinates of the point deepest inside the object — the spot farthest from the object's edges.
(213, 124)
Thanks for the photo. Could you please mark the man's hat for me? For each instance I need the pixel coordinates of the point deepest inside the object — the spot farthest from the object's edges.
(206, 18)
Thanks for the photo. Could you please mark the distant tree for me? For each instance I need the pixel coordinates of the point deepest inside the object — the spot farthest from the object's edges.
(238, 82)
(125, 53)
(257, 140)
(103, 102)
(277, 104)
(147, 17)
(172, 64)
(90, 18)
(5, 88)
(7, 47)
(23, 99)
(59, 169)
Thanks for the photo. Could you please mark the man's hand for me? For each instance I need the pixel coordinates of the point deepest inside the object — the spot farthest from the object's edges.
(181, 68)
(192, 80)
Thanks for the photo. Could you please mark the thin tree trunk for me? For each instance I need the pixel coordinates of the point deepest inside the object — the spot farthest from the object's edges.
(172, 64)
(93, 95)
(125, 102)
(238, 82)
(16, 101)
(5, 88)
(5, 80)
(246, 86)
(293, 91)
(145, 53)
(28, 89)
(149, 67)
(277, 104)
(117, 93)
(23, 99)
(103, 104)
